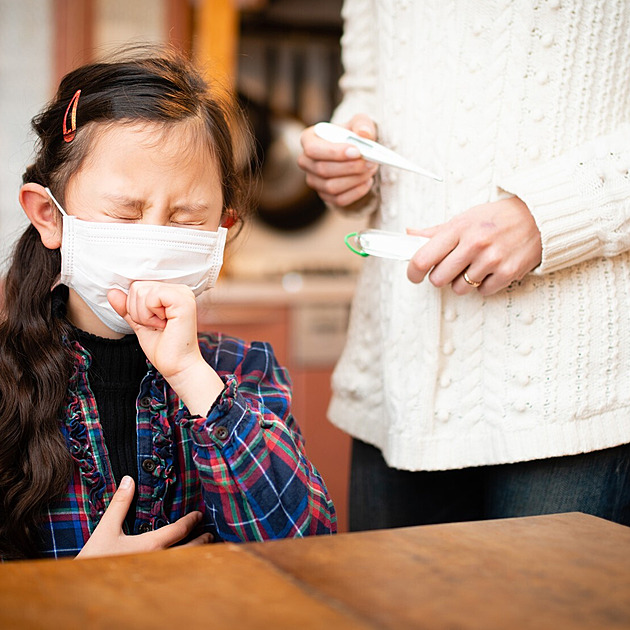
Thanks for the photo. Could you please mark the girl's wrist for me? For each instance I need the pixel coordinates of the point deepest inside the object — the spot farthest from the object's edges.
(198, 386)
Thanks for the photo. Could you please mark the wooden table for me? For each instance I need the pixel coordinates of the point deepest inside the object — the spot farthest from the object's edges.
(559, 571)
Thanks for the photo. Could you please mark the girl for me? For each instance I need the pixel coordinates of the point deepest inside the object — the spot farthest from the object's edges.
(121, 429)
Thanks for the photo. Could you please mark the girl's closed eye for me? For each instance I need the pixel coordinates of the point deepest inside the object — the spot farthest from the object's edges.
(187, 220)
(124, 217)
(194, 215)
(121, 208)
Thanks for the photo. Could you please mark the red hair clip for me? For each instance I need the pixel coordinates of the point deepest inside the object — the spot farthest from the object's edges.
(229, 219)
(69, 132)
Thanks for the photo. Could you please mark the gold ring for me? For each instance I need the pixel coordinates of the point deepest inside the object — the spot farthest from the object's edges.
(472, 283)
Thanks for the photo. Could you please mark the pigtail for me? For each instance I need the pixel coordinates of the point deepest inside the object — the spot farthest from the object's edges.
(35, 464)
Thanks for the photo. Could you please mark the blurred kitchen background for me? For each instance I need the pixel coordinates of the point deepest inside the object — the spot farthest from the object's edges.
(288, 277)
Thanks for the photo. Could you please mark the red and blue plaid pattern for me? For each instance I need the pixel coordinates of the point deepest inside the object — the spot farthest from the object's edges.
(244, 465)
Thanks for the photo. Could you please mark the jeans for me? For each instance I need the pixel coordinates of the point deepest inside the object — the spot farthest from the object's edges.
(595, 483)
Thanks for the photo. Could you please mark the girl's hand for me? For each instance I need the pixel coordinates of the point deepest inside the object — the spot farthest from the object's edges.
(164, 318)
(108, 538)
(337, 171)
(494, 244)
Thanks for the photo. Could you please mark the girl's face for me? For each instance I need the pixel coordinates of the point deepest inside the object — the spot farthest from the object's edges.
(144, 173)
(147, 173)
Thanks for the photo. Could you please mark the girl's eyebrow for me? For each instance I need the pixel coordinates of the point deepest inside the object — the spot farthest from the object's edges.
(138, 204)
(191, 207)
(124, 201)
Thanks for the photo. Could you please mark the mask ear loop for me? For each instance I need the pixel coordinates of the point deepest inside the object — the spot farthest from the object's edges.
(350, 247)
(63, 212)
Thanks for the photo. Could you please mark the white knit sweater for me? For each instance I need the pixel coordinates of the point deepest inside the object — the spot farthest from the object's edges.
(524, 97)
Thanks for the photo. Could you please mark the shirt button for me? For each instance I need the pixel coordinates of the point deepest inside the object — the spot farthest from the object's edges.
(148, 465)
(542, 76)
(445, 381)
(547, 40)
(221, 433)
(448, 348)
(523, 379)
(533, 152)
(538, 114)
(468, 103)
(145, 402)
(527, 318)
(442, 415)
(520, 405)
(525, 349)
(145, 528)
(450, 315)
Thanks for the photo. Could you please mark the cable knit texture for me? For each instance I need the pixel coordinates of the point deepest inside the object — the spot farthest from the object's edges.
(523, 97)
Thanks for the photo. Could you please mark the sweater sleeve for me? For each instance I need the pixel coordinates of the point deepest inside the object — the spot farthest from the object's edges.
(359, 56)
(358, 82)
(257, 481)
(580, 201)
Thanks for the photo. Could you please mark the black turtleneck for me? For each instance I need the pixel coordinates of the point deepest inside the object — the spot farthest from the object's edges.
(117, 368)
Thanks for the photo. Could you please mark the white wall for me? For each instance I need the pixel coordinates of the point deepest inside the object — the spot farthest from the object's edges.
(25, 77)
(119, 22)
(26, 71)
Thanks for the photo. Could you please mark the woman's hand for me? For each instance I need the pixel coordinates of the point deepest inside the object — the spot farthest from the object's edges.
(494, 244)
(108, 538)
(164, 318)
(337, 171)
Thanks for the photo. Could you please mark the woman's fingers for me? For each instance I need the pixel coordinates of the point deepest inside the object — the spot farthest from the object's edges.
(342, 191)
(363, 126)
(316, 148)
(327, 169)
(431, 254)
(484, 249)
(336, 171)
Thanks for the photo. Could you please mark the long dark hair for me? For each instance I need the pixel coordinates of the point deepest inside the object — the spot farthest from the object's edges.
(35, 364)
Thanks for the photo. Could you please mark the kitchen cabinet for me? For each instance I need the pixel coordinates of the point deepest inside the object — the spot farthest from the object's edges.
(307, 331)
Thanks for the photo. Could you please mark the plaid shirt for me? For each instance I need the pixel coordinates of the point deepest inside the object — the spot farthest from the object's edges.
(243, 466)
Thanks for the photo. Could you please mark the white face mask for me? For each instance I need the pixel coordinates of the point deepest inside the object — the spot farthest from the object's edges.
(97, 257)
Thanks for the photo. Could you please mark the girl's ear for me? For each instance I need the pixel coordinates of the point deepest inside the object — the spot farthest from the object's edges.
(42, 213)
